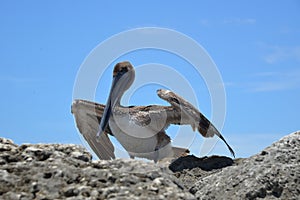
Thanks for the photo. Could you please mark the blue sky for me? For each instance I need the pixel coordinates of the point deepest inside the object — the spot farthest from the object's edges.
(255, 45)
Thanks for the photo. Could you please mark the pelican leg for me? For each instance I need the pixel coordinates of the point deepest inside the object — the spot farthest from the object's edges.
(163, 140)
(156, 154)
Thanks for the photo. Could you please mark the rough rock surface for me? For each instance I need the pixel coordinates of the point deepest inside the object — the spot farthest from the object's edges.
(56, 171)
(273, 173)
(67, 172)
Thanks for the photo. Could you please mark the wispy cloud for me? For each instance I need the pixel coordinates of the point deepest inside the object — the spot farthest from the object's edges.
(281, 53)
(271, 86)
(269, 81)
(276, 81)
(289, 30)
(204, 22)
(240, 21)
(231, 21)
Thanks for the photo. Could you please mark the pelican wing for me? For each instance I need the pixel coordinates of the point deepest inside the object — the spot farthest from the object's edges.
(88, 116)
(186, 113)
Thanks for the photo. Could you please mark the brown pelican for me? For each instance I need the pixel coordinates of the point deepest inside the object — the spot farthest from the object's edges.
(139, 129)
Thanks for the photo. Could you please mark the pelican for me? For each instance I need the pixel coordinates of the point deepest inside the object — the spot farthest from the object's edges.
(139, 129)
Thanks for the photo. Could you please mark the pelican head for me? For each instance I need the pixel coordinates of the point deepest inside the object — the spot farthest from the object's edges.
(123, 77)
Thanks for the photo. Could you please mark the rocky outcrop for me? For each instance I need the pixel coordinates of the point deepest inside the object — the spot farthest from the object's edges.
(273, 173)
(59, 171)
(56, 171)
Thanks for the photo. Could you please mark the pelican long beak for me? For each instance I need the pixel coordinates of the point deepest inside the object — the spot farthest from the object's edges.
(112, 99)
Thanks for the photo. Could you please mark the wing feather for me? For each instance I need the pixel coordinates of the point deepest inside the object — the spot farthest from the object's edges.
(186, 113)
(87, 117)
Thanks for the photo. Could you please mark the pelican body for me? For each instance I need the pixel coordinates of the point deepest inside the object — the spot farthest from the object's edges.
(139, 129)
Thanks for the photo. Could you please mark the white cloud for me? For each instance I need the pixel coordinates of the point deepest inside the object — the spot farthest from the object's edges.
(240, 21)
(204, 22)
(269, 81)
(271, 86)
(276, 81)
(280, 53)
(232, 21)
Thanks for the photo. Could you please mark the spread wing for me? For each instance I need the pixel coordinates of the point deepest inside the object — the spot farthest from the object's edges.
(88, 116)
(186, 113)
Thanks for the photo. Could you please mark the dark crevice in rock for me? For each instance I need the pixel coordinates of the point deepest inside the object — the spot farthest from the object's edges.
(205, 163)
(47, 175)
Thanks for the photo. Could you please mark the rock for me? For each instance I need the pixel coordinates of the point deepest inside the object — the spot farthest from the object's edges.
(66, 171)
(273, 173)
(59, 171)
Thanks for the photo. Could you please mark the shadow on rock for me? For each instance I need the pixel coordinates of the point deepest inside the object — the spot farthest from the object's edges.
(205, 163)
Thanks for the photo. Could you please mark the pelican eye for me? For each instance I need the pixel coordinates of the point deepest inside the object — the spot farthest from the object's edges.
(123, 70)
